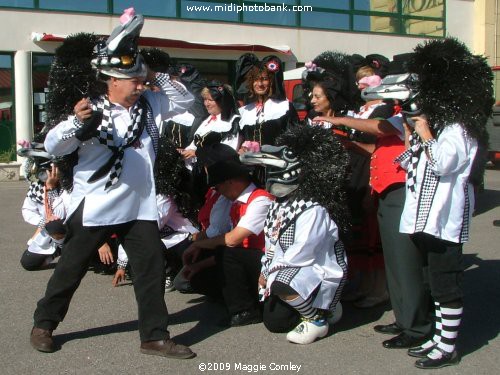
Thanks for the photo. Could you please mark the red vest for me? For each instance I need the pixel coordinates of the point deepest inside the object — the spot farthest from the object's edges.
(204, 214)
(383, 170)
(238, 210)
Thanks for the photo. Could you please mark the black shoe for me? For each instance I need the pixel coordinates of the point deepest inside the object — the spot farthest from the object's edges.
(402, 341)
(420, 352)
(388, 329)
(244, 318)
(447, 359)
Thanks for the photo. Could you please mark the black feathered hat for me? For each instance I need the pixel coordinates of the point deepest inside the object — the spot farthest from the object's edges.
(156, 59)
(173, 179)
(71, 77)
(301, 161)
(334, 71)
(248, 63)
(454, 86)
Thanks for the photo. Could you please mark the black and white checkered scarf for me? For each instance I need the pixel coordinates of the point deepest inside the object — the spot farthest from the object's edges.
(36, 192)
(414, 154)
(142, 116)
(280, 217)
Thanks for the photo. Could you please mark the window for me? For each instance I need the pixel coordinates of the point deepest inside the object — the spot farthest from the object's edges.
(7, 124)
(77, 5)
(17, 3)
(206, 10)
(156, 8)
(40, 72)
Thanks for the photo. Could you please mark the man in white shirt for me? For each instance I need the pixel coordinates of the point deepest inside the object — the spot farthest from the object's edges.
(228, 265)
(114, 188)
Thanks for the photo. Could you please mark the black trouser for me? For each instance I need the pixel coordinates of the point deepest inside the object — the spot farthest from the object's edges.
(141, 240)
(410, 297)
(32, 261)
(235, 276)
(443, 266)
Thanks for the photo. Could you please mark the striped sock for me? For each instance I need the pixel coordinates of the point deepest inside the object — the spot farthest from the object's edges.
(451, 316)
(304, 307)
(438, 327)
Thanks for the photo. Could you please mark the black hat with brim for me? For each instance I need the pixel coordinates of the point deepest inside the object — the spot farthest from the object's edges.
(224, 170)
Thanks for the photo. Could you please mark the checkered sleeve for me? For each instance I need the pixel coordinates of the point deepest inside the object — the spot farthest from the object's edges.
(179, 98)
(429, 147)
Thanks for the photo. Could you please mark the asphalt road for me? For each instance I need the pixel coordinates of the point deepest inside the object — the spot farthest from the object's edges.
(99, 335)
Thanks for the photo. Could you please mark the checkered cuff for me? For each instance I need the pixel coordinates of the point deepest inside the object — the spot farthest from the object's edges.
(78, 124)
(163, 80)
(121, 264)
(41, 223)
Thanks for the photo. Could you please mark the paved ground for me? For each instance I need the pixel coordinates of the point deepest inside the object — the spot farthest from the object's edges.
(99, 335)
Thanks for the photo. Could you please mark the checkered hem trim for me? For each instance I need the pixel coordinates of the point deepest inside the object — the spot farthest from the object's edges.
(265, 272)
(121, 264)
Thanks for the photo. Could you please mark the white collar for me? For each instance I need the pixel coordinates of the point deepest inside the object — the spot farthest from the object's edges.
(273, 109)
(245, 194)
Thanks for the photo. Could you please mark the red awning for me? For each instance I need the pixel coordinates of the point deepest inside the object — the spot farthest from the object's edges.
(173, 43)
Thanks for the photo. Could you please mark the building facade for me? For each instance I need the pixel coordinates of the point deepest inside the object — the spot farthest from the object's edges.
(212, 34)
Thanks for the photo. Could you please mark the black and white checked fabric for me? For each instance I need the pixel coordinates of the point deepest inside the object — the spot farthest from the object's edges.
(106, 136)
(414, 153)
(428, 190)
(287, 237)
(166, 231)
(152, 128)
(340, 256)
(464, 233)
(280, 226)
(36, 192)
(286, 275)
(282, 214)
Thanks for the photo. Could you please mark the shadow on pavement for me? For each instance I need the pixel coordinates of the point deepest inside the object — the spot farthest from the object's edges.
(486, 200)
(481, 323)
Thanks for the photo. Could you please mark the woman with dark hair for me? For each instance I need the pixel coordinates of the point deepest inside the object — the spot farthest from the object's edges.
(268, 112)
(221, 126)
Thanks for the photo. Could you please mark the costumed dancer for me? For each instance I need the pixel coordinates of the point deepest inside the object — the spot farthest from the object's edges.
(403, 263)
(305, 264)
(115, 136)
(221, 126)
(227, 265)
(45, 206)
(266, 113)
(181, 127)
(446, 131)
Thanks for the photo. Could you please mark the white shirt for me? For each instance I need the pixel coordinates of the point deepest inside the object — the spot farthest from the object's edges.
(452, 203)
(134, 196)
(273, 109)
(34, 212)
(256, 212)
(168, 214)
(314, 251)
